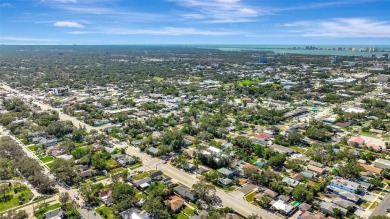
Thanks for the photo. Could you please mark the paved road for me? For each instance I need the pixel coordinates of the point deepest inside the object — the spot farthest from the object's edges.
(382, 207)
(72, 193)
(43, 106)
(237, 203)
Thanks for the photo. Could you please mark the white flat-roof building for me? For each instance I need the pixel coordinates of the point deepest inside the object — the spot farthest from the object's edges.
(382, 163)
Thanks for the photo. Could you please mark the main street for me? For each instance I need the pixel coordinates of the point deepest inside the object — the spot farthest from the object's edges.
(241, 206)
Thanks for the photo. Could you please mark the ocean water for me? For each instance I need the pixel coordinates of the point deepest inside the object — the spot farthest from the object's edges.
(325, 49)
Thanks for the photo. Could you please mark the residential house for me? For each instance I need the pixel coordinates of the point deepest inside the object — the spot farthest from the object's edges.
(327, 208)
(320, 165)
(123, 159)
(158, 175)
(106, 197)
(175, 203)
(290, 182)
(153, 150)
(374, 147)
(270, 193)
(185, 193)
(371, 169)
(283, 208)
(262, 138)
(343, 203)
(142, 183)
(87, 173)
(136, 143)
(261, 162)
(54, 214)
(344, 194)
(201, 170)
(225, 182)
(308, 215)
(133, 213)
(344, 184)
(51, 142)
(284, 198)
(283, 150)
(167, 181)
(317, 170)
(305, 207)
(356, 140)
(308, 174)
(187, 166)
(382, 163)
(226, 173)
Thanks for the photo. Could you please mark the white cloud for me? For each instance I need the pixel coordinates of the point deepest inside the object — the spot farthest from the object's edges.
(342, 27)
(25, 39)
(219, 11)
(68, 24)
(5, 5)
(159, 31)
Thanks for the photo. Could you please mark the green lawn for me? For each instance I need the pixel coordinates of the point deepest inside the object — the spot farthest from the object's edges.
(193, 205)
(182, 216)
(14, 201)
(374, 205)
(140, 195)
(250, 197)
(106, 212)
(111, 163)
(46, 159)
(31, 148)
(49, 165)
(253, 159)
(189, 211)
(80, 144)
(158, 79)
(365, 204)
(141, 176)
(301, 150)
(40, 212)
(135, 166)
(196, 78)
(369, 134)
(245, 82)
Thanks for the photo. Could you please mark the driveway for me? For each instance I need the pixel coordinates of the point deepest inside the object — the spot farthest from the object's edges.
(248, 188)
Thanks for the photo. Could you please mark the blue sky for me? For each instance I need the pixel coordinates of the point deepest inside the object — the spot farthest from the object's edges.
(353, 22)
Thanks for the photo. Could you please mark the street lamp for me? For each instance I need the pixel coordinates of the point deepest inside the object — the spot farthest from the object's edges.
(158, 164)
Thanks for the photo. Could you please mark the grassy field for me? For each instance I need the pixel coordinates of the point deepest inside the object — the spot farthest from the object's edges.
(14, 201)
(106, 212)
(46, 159)
(182, 216)
(248, 82)
(158, 79)
(39, 213)
(141, 176)
(195, 78)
